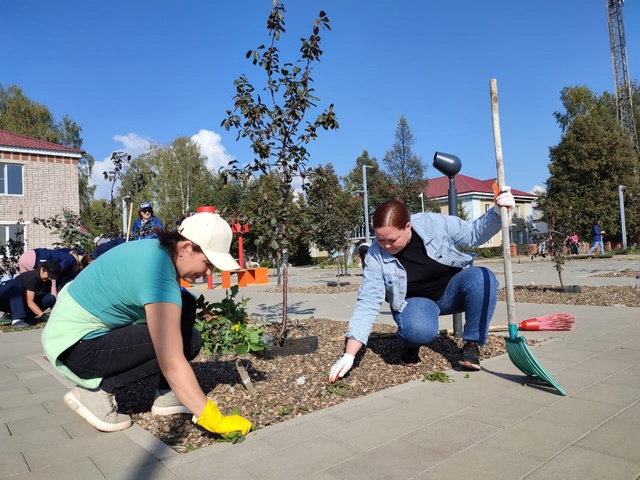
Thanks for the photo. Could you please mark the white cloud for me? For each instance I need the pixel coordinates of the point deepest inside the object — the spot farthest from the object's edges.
(537, 189)
(212, 148)
(133, 144)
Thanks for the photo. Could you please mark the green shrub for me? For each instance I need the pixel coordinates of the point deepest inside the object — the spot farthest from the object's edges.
(225, 326)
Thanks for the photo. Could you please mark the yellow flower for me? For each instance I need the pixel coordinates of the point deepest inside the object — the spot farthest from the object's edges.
(236, 327)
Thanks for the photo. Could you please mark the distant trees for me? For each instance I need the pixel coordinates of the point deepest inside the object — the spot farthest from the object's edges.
(331, 212)
(20, 114)
(178, 179)
(593, 157)
(406, 167)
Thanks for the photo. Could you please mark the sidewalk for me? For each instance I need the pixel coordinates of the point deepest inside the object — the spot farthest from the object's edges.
(489, 425)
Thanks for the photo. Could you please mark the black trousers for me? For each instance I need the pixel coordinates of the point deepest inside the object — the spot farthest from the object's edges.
(126, 355)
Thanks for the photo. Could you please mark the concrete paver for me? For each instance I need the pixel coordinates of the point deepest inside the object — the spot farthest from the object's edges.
(496, 420)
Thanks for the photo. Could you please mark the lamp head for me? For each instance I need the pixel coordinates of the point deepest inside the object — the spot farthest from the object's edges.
(446, 163)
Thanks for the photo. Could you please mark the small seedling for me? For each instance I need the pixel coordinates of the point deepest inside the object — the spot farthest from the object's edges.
(233, 437)
(285, 411)
(437, 377)
(336, 388)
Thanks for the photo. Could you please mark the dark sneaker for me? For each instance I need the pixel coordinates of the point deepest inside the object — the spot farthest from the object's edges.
(97, 407)
(410, 356)
(167, 404)
(470, 356)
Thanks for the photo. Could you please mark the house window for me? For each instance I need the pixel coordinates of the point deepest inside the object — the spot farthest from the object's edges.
(14, 232)
(10, 179)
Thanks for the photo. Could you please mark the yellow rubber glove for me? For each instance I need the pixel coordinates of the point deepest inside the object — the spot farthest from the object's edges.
(215, 422)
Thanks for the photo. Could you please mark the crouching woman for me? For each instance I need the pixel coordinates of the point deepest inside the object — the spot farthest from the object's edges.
(125, 318)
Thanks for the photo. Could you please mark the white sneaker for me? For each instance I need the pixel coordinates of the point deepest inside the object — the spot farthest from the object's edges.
(97, 407)
(167, 404)
(19, 324)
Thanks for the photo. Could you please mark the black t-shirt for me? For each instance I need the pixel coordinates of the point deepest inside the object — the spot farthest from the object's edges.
(425, 277)
(32, 282)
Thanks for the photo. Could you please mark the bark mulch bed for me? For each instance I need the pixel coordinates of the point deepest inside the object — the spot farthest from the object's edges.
(288, 387)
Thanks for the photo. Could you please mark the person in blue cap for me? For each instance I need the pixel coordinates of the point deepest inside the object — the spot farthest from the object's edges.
(146, 223)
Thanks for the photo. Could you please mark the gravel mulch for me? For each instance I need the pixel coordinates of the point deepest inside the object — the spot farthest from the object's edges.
(603, 296)
(287, 387)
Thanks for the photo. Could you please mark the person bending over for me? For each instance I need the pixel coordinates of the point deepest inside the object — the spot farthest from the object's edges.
(140, 324)
(28, 295)
(413, 262)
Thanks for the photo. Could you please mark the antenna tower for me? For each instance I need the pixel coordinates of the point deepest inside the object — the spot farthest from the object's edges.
(621, 70)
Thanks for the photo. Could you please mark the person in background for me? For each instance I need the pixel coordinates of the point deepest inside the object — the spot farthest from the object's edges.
(572, 244)
(413, 262)
(28, 295)
(105, 246)
(146, 223)
(140, 324)
(70, 264)
(596, 238)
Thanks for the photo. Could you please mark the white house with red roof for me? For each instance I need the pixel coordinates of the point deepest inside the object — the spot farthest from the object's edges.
(37, 180)
(476, 197)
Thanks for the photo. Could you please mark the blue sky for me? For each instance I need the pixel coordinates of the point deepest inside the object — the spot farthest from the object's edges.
(133, 72)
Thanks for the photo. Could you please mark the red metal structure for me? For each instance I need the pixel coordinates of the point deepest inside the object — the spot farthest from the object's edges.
(240, 229)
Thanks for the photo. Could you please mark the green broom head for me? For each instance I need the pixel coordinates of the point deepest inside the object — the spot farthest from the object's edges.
(521, 356)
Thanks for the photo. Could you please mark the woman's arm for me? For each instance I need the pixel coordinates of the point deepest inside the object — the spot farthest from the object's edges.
(30, 300)
(163, 320)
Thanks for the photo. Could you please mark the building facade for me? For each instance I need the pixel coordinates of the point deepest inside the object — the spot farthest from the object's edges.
(476, 197)
(38, 179)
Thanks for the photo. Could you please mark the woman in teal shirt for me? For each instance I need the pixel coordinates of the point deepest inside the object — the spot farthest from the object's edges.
(125, 318)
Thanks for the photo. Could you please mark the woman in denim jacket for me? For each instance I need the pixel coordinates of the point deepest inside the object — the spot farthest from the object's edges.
(414, 264)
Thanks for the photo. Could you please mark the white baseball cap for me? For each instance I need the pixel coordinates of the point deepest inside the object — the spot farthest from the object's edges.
(213, 235)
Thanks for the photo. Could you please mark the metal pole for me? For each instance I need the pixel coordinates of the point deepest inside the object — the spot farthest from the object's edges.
(125, 200)
(623, 227)
(453, 210)
(366, 202)
(422, 200)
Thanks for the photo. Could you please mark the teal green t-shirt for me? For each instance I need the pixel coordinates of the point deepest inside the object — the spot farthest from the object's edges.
(116, 287)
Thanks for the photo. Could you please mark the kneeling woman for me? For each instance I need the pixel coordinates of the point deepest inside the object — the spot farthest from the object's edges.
(125, 318)
(414, 264)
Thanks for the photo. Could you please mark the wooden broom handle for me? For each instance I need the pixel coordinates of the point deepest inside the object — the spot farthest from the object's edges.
(504, 213)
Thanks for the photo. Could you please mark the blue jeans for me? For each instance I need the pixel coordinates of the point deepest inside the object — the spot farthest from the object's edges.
(473, 290)
(12, 300)
(595, 245)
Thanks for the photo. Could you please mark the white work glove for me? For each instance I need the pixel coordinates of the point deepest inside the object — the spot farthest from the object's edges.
(341, 367)
(505, 199)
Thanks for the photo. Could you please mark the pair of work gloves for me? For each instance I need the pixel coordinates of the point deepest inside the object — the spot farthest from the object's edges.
(212, 420)
(503, 198)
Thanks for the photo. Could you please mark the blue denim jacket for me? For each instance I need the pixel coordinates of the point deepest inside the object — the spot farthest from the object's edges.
(385, 276)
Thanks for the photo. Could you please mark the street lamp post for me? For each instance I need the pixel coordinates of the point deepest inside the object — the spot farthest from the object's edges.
(622, 225)
(450, 165)
(422, 200)
(366, 202)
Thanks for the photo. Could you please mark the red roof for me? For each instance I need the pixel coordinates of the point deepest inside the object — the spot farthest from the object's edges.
(15, 140)
(439, 187)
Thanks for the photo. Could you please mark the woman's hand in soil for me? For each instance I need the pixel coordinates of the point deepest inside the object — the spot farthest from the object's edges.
(341, 367)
